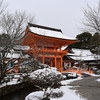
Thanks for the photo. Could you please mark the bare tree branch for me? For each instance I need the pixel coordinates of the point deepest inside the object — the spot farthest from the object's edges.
(92, 18)
(2, 6)
(13, 25)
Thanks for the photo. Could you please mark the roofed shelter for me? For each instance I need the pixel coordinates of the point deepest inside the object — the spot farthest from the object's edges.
(47, 44)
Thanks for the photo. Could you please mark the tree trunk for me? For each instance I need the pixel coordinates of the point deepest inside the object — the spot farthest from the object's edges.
(3, 71)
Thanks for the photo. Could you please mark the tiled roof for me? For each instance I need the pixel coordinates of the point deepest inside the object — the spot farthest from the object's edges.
(48, 31)
(82, 54)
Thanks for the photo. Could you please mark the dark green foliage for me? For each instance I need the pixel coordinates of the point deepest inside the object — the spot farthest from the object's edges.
(87, 41)
(84, 40)
(95, 44)
(46, 98)
(4, 39)
(4, 44)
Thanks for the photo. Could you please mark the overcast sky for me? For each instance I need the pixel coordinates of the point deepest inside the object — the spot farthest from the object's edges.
(62, 14)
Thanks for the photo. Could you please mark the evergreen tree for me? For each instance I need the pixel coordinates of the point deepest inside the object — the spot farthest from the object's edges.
(95, 43)
(84, 40)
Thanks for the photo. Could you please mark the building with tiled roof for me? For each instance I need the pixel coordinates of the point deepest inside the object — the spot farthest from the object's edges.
(47, 44)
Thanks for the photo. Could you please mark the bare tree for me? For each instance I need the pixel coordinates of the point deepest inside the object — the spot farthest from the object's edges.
(92, 18)
(14, 25)
(3, 6)
(92, 24)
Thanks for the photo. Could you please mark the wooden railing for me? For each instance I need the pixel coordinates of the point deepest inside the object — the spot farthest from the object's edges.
(53, 50)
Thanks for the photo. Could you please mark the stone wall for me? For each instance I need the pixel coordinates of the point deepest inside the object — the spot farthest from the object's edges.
(11, 88)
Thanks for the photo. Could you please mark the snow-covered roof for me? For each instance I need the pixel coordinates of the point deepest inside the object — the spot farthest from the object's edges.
(13, 55)
(86, 58)
(63, 47)
(82, 54)
(47, 31)
(16, 54)
(20, 47)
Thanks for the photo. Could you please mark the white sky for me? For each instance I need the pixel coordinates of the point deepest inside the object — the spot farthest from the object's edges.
(63, 14)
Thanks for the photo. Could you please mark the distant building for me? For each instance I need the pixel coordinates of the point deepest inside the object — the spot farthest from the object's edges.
(81, 59)
(77, 55)
(14, 58)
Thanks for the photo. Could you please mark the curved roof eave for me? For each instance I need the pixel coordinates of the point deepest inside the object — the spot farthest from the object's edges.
(50, 34)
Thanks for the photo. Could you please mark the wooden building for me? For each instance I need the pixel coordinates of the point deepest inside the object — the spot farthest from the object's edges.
(47, 44)
(81, 60)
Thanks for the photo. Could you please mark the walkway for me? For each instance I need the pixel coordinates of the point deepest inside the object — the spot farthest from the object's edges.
(88, 87)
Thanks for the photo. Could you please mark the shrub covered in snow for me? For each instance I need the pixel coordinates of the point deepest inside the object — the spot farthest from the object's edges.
(35, 96)
(31, 64)
(41, 66)
(55, 93)
(45, 79)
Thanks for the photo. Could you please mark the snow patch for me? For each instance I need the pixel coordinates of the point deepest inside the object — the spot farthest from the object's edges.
(68, 93)
(98, 80)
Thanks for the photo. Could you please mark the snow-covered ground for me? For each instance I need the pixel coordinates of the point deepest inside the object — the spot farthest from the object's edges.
(98, 80)
(12, 81)
(69, 94)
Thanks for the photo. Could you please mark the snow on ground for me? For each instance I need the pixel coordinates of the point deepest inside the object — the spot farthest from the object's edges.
(13, 81)
(94, 75)
(68, 93)
(98, 80)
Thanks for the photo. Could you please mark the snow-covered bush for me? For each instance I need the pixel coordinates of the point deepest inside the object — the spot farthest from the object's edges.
(45, 79)
(41, 66)
(39, 95)
(30, 64)
(35, 96)
(56, 93)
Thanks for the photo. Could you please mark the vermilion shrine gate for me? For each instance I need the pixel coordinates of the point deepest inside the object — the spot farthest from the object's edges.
(47, 44)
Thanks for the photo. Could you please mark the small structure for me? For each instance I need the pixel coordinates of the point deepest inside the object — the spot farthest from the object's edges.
(47, 44)
(80, 59)
(82, 55)
(15, 57)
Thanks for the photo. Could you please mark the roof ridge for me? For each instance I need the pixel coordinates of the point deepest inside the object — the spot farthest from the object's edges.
(44, 27)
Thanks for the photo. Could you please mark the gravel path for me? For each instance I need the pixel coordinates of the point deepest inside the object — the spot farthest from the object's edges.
(88, 87)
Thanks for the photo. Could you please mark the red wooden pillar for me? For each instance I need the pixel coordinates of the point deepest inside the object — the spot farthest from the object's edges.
(51, 63)
(61, 67)
(43, 59)
(55, 61)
